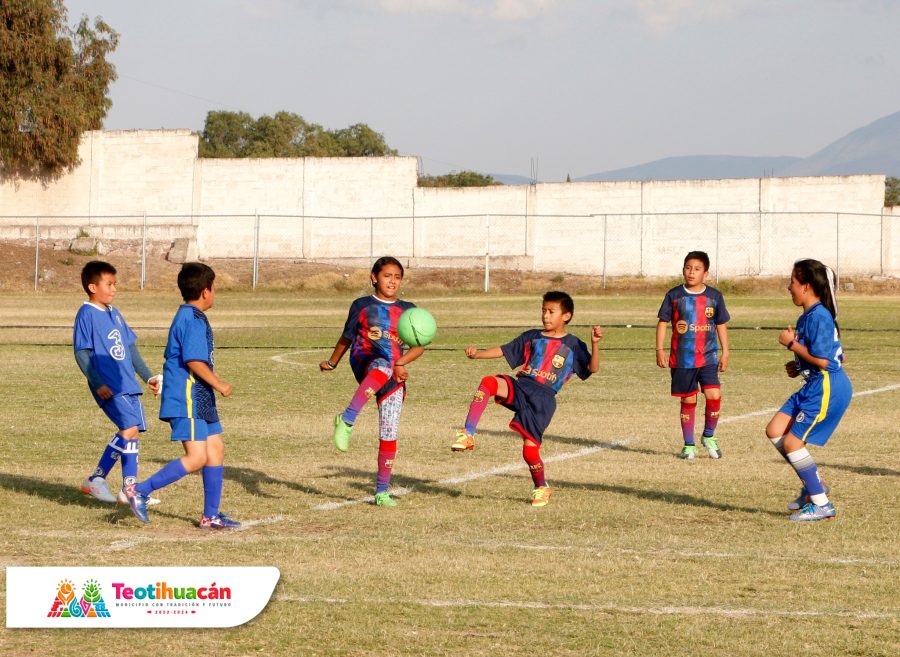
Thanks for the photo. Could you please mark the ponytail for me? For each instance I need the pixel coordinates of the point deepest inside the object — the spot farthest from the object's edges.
(823, 282)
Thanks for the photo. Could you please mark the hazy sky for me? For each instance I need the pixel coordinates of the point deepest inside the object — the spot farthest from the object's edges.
(579, 86)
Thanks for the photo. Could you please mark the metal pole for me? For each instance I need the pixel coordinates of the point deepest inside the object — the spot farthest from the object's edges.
(255, 250)
(371, 237)
(37, 251)
(641, 254)
(144, 251)
(487, 258)
(837, 249)
(718, 260)
(605, 217)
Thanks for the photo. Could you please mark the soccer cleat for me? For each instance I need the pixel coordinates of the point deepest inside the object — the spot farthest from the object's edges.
(218, 521)
(803, 499)
(815, 512)
(342, 433)
(540, 496)
(709, 442)
(385, 499)
(688, 452)
(97, 488)
(138, 504)
(122, 498)
(463, 442)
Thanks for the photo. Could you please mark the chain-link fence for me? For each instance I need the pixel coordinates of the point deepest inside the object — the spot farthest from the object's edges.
(604, 245)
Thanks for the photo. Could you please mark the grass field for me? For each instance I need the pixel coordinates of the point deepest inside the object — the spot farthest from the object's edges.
(638, 553)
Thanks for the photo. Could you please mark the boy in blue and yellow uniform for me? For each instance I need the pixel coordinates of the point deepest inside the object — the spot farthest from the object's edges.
(549, 358)
(698, 315)
(188, 400)
(106, 351)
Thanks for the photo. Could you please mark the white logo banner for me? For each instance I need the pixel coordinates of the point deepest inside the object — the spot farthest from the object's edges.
(80, 597)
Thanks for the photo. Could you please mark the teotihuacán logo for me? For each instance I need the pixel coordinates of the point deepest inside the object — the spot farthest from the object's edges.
(213, 596)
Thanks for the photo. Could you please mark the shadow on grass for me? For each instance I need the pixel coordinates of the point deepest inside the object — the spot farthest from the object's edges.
(862, 469)
(581, 441)
(364, 481)
(65, 494)
(661, 496)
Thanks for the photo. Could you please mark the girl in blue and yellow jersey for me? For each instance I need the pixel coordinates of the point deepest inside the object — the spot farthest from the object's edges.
(812, 413)
(378, 358)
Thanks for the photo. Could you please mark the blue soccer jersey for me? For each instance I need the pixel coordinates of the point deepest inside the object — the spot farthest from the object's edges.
(817, 332)
(371, 327)
(547, 362)
(184, 395)
(103, 331)
(694, 318)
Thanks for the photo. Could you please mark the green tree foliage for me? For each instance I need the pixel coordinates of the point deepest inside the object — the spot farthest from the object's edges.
(54, 82)
(461, 179)
(237, 134)
(891, 191)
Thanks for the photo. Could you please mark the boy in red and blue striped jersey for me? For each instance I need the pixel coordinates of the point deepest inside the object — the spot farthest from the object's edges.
(698, 315)
(548, 358)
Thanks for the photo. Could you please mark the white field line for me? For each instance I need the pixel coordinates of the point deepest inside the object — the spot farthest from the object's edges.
(606, 607)
(587, 451)
(283, 358)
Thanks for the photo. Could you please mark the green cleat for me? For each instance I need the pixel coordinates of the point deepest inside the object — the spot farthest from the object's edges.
(342, 433)
(385, 499)
(709, 442)
(688, 452)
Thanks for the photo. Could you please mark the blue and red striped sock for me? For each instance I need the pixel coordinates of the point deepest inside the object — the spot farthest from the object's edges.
(712, 416)
(532, 456)
(688, 413)
(486, 391)
(387, 450)
(370, 385)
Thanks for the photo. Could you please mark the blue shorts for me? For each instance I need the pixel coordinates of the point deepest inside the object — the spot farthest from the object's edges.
(818, 406)
(125, 411)
(687, 380)
(190, 428)
(533, 410)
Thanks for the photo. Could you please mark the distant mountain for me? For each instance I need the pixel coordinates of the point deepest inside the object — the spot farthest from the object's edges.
(874, 148)
(510, 179)
(699, 167)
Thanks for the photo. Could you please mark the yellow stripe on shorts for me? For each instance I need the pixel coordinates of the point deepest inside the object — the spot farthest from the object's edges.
(823, 410)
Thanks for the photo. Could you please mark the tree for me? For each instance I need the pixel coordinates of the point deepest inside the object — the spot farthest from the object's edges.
(54, 82)
(237, 134)
(461, 179)
(891, 191)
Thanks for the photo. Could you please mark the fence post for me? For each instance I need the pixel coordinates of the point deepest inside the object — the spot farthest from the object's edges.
(371, 237)
(718, 260)
(144, 251)
(487, 257)
(837, 248)
(37, 250)
(255, 249)
(605, 217)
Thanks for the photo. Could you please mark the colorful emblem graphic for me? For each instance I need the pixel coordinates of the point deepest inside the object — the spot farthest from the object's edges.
(68, 605)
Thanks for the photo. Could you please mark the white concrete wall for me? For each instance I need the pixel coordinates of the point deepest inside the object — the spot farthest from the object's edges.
(339, 208)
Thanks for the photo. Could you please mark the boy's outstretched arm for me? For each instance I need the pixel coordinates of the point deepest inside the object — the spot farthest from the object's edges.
(493, 352)
(596, 336)
(339, 350)
(202, 371)
(661, 359)
(141, 369)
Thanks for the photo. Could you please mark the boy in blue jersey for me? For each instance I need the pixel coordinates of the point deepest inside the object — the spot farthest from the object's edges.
(189, 403)
(698, 315)
(107, 354)
(549, 358)
(812, 413)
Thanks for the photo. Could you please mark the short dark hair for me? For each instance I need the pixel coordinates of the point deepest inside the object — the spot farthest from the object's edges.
(698, 255)
(92, 272)
(563, 299)
(382, 262)
(193, 278)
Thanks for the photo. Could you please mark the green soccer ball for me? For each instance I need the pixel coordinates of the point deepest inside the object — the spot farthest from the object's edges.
(416, 327)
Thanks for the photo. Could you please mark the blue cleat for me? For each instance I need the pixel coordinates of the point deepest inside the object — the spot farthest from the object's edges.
(218, 521)
(138, 504)
(815, 512)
